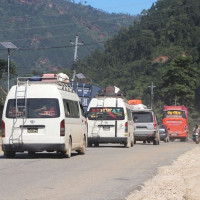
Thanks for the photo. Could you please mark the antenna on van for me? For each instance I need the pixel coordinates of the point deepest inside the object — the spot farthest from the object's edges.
(74, 65)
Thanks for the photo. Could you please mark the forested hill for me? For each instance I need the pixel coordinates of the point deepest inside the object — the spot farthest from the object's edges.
(163, 49)
(43, 29)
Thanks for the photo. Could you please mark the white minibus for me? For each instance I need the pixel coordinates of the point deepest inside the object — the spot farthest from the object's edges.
(110, 119)
(42, 116)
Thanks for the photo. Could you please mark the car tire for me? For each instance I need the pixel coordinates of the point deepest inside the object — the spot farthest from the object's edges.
(156, 142)
(83, 149)
(69, 149)
(9, 154)
(127, 144)
(89, 144)
(96, 144)
(132, 143)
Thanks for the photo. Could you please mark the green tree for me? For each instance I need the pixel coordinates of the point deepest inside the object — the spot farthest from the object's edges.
(180, 80)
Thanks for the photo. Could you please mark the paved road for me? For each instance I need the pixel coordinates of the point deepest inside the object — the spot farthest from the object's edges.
(109, 172)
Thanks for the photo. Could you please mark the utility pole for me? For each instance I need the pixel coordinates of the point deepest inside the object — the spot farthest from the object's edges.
(175, 100)
(152, 87)
(10, 46)
(76, 44)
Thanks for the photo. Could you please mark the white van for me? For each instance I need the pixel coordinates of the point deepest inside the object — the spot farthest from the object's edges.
(43, 116)
(110, 119)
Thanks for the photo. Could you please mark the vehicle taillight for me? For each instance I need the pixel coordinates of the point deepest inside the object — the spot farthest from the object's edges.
(126, 127)
(154, 120)
(3, 128)
(62, 128)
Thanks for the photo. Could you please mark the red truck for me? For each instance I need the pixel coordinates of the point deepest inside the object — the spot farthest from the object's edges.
(176, 120)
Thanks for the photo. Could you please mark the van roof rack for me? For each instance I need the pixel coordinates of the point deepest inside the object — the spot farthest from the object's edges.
(39, 80)
(110, 91)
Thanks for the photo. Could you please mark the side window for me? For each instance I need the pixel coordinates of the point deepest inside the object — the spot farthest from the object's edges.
(66, 107)
(71, 108)
(75, 109)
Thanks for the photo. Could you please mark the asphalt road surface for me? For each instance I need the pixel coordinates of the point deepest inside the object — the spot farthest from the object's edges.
(107, 172)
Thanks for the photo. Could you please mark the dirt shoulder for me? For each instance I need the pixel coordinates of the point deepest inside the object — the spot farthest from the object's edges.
(179, 181)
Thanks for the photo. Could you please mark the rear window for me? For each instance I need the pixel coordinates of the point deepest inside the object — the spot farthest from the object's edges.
(142, 117)
(106, 113)
(33, 108)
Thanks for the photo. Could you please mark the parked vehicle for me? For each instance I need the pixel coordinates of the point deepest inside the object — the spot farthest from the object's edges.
(110, 119)
(146, 128)
(43, 115)
(176, 120)
(164, 134)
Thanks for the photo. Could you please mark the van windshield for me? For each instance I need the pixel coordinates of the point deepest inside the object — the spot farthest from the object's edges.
(33, 108)
(140, 117)
(106, 113)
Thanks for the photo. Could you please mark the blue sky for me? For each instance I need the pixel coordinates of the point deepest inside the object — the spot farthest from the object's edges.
(132, 7)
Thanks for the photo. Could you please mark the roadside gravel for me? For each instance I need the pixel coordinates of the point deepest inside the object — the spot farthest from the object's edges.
(179, 181)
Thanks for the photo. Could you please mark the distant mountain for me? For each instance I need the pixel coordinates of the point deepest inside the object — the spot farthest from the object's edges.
(43, 29)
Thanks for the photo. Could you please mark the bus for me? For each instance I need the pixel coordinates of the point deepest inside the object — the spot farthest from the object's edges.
(176, 120)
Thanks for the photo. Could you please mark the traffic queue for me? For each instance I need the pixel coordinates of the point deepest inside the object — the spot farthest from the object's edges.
(46, 114)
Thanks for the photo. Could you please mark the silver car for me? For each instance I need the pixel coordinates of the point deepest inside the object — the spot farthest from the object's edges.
(146, 128)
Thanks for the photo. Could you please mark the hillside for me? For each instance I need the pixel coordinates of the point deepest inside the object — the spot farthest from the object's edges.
(163, 49)
(43, 29)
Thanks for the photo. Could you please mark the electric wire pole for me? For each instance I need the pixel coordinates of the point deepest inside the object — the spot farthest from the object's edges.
(76, 44)
(152, 87)
(175, 100)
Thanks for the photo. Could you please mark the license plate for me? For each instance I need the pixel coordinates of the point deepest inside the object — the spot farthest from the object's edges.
(106, 128)
(174, 134)
(32, 130)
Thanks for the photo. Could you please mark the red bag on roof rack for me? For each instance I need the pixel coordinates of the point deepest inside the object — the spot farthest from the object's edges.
(49, 77)
(134, 101)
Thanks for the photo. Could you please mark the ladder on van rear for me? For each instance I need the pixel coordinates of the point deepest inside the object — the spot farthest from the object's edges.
(100, 103)
(16, 136)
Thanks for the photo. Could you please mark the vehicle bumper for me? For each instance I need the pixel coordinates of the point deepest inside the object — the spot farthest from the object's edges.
(177, 135)
(20, 147)
(140, 136)
(163, 136)
(107, 139)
